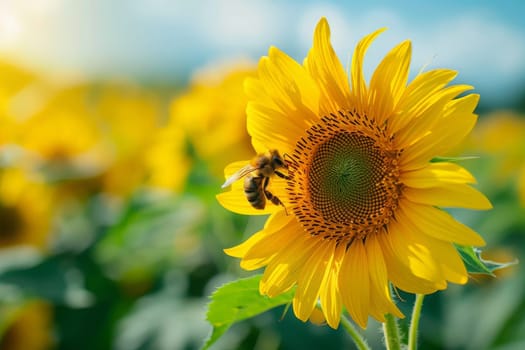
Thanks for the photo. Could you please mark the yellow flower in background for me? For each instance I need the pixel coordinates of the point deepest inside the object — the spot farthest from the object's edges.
(14, 77)
(130, 114)
(86, 131)
(130, 118)
(13, 80)
(30, 328)
(360, 202)
(213, 114)
(64, 132)
(167, 161)
(26, 207)
(501, 137)
(501, 132)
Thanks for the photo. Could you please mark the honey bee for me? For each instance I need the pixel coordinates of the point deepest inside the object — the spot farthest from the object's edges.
(257, 176)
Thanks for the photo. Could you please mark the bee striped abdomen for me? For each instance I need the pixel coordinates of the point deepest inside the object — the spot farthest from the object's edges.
(253, 190)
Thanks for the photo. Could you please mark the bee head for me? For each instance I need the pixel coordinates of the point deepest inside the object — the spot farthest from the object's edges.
(277, 159)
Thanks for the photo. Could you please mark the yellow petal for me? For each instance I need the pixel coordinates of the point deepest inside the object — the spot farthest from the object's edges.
(274, 224)
(437, 223)
(359, 89)
(435, 174)
(235, 201)
(300, 87)
(451, 264)
(380, 299)
(278, 220)
(441, 254)
(330, 295)
(415, 255)
(263, 250)
(232, 168)
(418, 96)
(283, 271)
(447, 132)
(460, 109)
(311, 277)
(283, 101)
(271, 129)
(324, 66)
(317, 317)
(354, 283)
(278, 279)
(389, 81)
(449, 196)
(399, 273)
(240, 250)
(433, 112)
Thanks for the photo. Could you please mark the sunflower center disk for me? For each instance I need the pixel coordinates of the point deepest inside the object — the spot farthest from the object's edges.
(344, 182)
(344, 179)
(11, 222)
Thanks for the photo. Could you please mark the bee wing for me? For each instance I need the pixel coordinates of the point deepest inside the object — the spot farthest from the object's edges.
(242, 172)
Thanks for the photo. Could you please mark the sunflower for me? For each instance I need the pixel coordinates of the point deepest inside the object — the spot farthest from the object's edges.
(500, 137)
(131, 116)
(63, 132)
(212, 112)
(30, 328)
(14, 81)
(24, 220)
(362, 193)
(166, 161)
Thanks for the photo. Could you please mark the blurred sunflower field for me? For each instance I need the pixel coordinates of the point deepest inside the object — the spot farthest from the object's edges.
(111, 236)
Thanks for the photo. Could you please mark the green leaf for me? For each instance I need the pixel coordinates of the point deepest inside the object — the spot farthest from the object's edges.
(147, 232)
(162, 320)
(476, 264)
(237, 301)
(53, 278)
(216, 333)
(452, 159)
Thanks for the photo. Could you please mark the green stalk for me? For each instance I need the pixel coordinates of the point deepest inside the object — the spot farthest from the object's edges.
(391, 332)
(414, 322)
(354, 334)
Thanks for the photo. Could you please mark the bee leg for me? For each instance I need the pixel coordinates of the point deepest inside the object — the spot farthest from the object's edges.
(281, 175)
(274, 199)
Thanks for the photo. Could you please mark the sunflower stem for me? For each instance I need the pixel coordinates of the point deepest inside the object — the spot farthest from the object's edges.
(414, 322)
(358, 339)
(391, 332)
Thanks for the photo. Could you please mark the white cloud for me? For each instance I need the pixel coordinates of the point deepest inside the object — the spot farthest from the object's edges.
(226, 23)
(238, 23)
(475, 43)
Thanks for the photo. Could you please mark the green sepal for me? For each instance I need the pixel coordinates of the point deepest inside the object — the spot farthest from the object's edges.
(476, 264)
(237, 301)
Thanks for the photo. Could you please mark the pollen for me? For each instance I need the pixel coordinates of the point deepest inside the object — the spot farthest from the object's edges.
(344, 178)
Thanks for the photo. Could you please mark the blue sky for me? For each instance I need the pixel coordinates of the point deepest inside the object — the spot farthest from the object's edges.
(170, 40)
